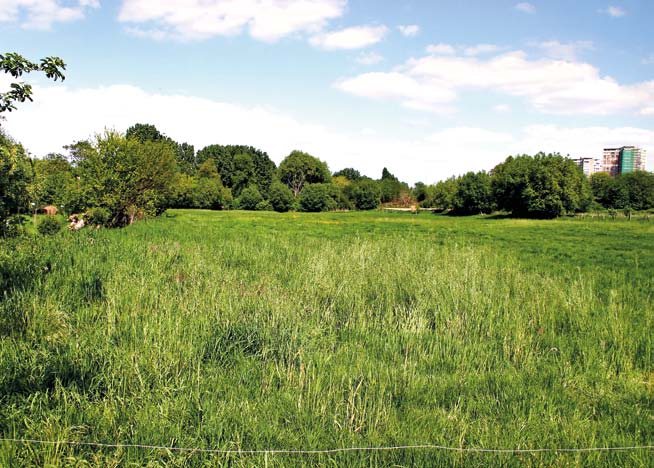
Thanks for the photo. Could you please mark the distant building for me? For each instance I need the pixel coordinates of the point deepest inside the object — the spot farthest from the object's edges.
(589, 165)
(611, 160)
(623, 160)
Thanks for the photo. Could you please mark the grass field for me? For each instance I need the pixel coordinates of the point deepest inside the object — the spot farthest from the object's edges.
(252, 330)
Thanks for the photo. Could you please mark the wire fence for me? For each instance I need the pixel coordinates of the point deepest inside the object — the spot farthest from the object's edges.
(332, 450)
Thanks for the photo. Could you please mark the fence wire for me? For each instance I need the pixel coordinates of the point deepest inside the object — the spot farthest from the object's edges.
(332, 450)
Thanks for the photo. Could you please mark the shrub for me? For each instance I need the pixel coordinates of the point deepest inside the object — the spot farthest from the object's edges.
(97, 216)
(250, 198)
(473, 194)
(12, 227)
(49, 226)
(316, 197)
(365, 194)
(264, 205)
(281, 197)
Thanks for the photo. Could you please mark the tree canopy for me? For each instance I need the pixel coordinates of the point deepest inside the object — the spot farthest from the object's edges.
(542, 186)
(241, 166)
(125, 176)
(301, 168)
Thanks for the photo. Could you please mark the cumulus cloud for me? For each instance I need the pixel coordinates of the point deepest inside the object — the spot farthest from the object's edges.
(409, 30)
(564, 50)
(266, 20)
(441, 49)
(525, 7)
(369, 58)
(411, 92)
(65, 115)
(549, 85)
(356, 37)
(42, 14)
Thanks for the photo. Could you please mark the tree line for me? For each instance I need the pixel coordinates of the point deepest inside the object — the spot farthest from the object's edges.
(543, 186)
(117, 179)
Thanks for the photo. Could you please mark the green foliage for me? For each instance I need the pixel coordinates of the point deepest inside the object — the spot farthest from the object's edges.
(186, 160)
(365, 194)
(420, 192)
(441, 195)
(55, 183)
(16, 65)
(315, 198)
(16, 174)
(118, 173)
(49, 226)
(144, 132)
(250, 198)
(632, 190)
(281, 197)
(299, 169)
(392, 190)
(204, 191)
(264, 205)
(97, 216)
(349, 173)
(184, 152)
(473, 194)
(543, 186)
(13, 226)
(240, 167)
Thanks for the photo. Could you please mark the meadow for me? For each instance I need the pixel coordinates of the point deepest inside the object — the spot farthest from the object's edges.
(256, 330)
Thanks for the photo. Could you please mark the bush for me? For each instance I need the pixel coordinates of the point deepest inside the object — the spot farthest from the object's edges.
(281, 197)
(316, 197)
(49, 226)
(97, 216)
(12, 227)
(365, 194)
(473, 194)
(250, 198)
(264, 205)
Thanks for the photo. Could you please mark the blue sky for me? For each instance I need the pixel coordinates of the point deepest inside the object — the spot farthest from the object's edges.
(427, 88)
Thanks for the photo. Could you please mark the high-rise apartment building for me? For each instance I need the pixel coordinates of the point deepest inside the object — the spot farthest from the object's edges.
(623, 160)
(611, 161)
(589, 165)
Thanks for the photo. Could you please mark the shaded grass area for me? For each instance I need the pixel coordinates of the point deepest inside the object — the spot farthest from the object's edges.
(298, 331)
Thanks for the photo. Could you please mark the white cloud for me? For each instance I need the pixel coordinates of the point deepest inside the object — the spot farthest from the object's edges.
(550, 86)
(564, 50)
(398, 86)
(369, 58)
(480, 49)
(648, 60)
(614, 11)
(64, 115)
(525, 7)
(42, 14)
(266, 20)
(356, 37)
(410, 30)
(647, 111)
(502, 108)
(441, 49)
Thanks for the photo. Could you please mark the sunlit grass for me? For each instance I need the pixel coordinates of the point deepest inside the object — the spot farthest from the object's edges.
(298, 331)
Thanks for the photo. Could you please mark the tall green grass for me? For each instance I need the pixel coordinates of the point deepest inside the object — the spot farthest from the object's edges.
(266, 331)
